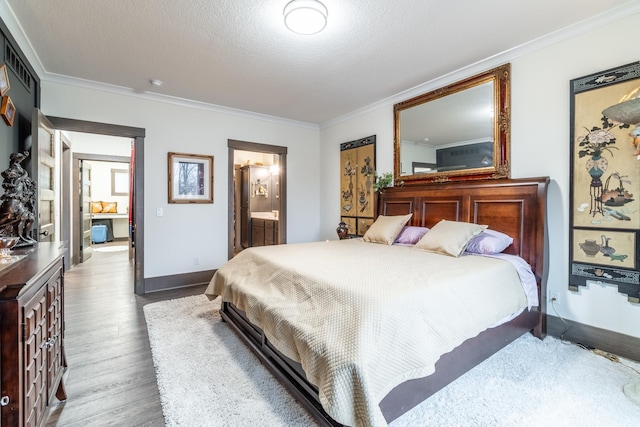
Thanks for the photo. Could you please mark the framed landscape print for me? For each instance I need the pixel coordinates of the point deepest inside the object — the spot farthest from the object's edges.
(605, 184)
(190, 178)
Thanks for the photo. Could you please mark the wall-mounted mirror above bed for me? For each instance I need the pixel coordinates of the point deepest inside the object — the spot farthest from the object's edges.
(457, 132)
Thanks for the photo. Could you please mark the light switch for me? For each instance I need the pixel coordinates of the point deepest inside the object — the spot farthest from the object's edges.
(159, 212)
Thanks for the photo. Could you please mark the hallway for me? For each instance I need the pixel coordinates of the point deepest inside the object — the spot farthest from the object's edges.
(110, 379)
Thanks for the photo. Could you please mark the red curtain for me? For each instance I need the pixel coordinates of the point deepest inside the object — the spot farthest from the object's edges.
(131, 187)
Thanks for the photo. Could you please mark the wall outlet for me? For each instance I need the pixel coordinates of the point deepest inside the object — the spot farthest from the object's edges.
(554, 296)
(196, 260)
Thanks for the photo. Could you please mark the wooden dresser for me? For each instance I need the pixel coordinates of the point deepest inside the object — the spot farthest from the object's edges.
(32, 352)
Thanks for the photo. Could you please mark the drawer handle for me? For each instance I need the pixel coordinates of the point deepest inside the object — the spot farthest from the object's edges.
(4, 400)
(49, 343)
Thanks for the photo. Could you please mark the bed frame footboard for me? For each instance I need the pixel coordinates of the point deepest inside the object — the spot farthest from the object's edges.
(284, 369)
(402, 398)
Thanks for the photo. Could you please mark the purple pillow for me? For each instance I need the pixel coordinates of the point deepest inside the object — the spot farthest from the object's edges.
(489, 242)
(410, 235)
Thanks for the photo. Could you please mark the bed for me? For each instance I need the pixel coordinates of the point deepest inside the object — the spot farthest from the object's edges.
(279, 323)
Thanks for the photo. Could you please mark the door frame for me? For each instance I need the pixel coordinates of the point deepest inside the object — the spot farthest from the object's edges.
(65, 199)
(258, 148)
(137, 135)
(77, 157)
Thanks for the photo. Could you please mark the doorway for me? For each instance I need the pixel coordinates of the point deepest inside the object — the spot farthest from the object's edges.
(137, 135)
(277, 209)
(96, 201)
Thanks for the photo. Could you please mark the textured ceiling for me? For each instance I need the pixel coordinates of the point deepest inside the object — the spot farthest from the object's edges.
(238, 54)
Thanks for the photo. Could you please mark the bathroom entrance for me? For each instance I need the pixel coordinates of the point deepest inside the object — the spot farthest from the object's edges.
(257, 195)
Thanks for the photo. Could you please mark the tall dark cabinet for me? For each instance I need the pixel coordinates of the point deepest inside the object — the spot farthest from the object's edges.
(259, 197)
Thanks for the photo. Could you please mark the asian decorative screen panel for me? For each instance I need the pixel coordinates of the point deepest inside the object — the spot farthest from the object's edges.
(357, 176)
(605, 185)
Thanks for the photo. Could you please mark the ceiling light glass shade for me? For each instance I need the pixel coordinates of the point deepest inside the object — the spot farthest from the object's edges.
(305, 16)
(627, 110)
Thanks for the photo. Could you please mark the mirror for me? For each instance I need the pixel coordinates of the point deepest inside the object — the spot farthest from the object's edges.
(458, 132)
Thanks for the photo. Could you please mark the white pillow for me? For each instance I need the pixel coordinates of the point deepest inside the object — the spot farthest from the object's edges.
(449, 237)
(386, 228)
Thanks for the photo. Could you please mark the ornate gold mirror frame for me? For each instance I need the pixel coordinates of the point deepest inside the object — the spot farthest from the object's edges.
(444, 123)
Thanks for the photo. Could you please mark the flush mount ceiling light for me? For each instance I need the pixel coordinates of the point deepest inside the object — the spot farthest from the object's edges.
(305, 17)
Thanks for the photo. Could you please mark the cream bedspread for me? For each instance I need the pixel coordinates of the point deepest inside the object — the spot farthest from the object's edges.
(362, 318)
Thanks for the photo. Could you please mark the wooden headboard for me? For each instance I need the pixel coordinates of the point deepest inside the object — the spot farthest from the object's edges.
(516, 207)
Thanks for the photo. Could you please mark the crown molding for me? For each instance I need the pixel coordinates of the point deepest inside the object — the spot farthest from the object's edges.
(624, 11)
(121, 90)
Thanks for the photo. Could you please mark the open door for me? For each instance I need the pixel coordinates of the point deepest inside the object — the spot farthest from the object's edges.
(44, 162)
(85, 249)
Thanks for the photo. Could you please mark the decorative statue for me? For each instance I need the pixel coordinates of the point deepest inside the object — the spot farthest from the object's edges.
(18, 201)
(342, 230)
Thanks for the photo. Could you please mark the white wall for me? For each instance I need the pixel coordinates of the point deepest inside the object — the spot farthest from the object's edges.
(101, 184)
(242, 157)
(88, 143)
(187, 231)
(540, 130)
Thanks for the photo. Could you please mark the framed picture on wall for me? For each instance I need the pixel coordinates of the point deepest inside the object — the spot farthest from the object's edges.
(605, 184)
(4, 80)
(7, 110)
(190, 178)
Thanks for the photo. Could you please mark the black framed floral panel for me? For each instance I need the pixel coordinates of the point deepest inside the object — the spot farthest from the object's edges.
(604, 217)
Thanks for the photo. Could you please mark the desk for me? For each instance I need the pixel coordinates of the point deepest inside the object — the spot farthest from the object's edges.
(117, 224)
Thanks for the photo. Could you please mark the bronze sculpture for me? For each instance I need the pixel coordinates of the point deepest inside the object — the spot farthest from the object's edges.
(18, 201)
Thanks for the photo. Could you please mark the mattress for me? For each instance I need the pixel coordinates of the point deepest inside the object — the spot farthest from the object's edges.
(362, 318)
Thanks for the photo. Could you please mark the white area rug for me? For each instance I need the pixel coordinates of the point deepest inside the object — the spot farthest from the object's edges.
(208, 377)
(111, 249)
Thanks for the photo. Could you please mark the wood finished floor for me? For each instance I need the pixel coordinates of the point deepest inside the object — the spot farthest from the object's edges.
(110, 379)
